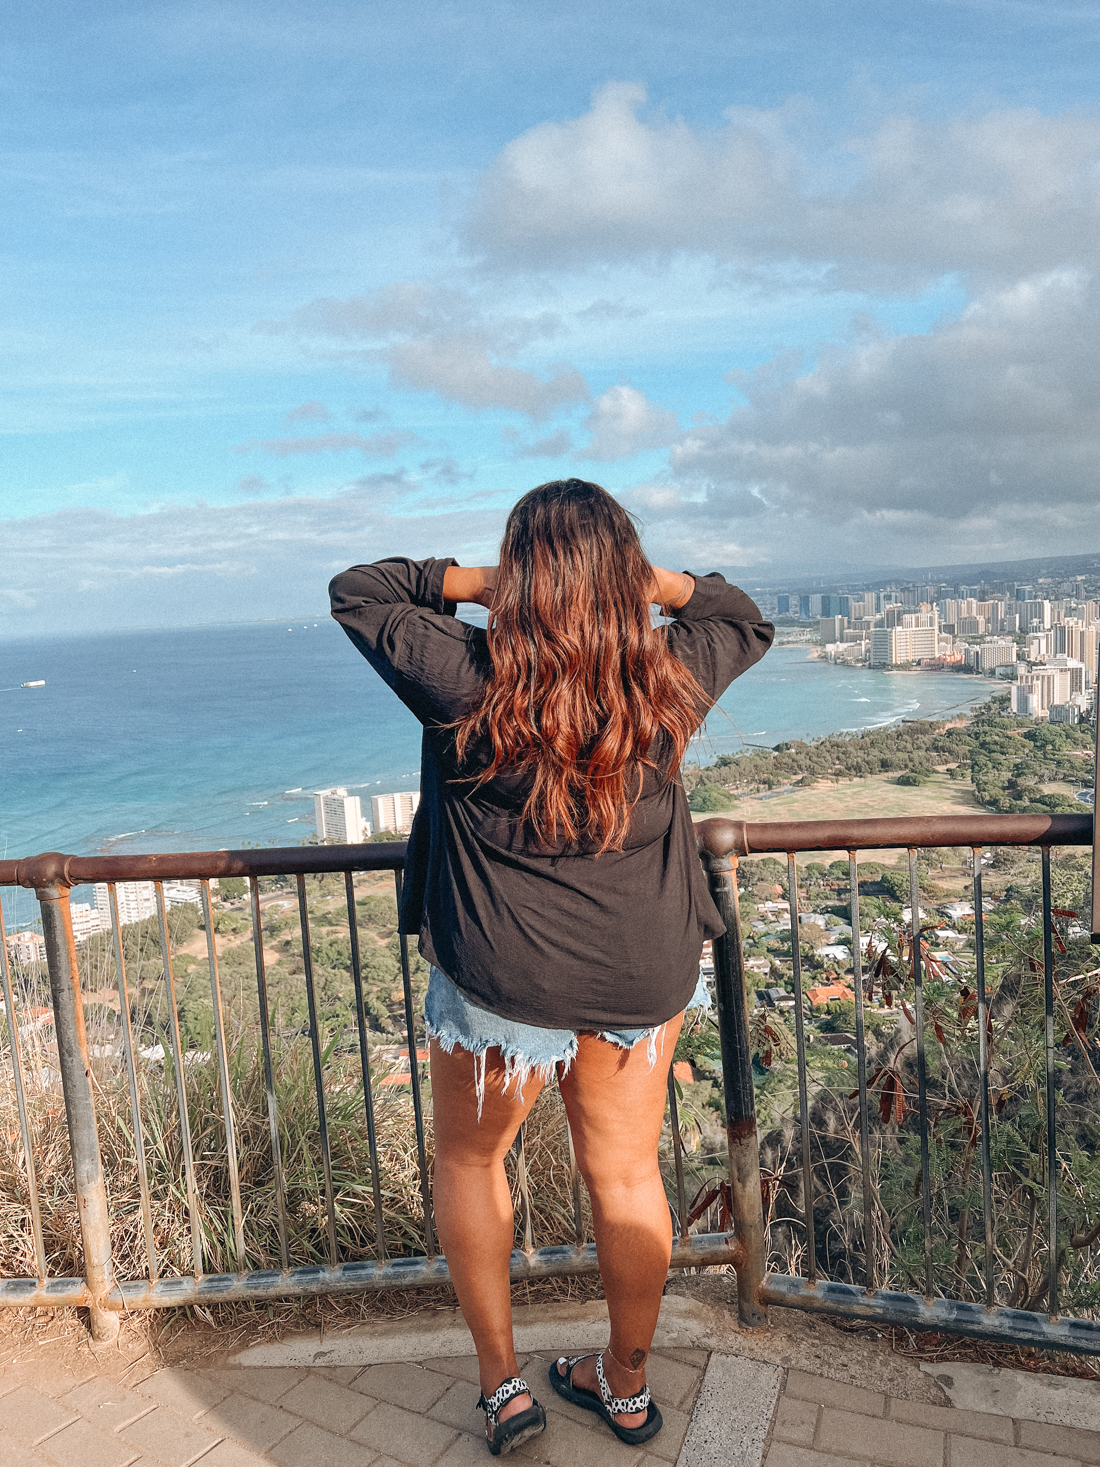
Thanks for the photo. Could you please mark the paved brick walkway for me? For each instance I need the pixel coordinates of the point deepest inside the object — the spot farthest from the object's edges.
(380, 1416)
(82, 1414)
(819, 1423)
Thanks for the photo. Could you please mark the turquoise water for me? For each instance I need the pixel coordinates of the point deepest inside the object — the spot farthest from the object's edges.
(209, 737)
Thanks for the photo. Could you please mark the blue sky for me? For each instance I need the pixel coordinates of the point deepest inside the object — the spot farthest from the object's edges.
(809, 285)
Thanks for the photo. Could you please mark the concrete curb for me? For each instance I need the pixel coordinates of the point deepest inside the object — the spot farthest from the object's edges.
(733, 1414)
(1058, 1400)
(565, 1328)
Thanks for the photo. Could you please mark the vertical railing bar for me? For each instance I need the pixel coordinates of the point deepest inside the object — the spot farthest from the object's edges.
(579, 1232)
(74, 1062)
(678, 1155)
(318, 1082)
(803, 1088)
(861, 1070)
(269, 1073)
(131, 1075)
(364, 1065)
(414, 1076)
(524, 1193)
(738, 1091)
(223, 1076)
(1052, 1150)
(181, 1087)
(21, 1105)
(983, 1075)
(922, 1072)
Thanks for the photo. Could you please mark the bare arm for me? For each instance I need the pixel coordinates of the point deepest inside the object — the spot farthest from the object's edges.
(470, 583)
(671, 589)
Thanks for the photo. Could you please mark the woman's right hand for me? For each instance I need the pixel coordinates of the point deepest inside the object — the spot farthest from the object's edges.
(470, 583)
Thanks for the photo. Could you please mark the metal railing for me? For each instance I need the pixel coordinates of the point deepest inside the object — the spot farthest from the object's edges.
(743, 1241)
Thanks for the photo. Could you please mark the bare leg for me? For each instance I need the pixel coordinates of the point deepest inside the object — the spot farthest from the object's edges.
(616, 1107)
(473, 1202)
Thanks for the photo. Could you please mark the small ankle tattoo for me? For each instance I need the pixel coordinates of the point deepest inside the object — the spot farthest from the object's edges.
(637, 1360)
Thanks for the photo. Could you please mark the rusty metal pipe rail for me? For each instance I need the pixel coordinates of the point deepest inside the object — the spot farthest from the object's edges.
(721, 837)
(717, 837)
(53, 868)
(701, 1250)
(938, 1316)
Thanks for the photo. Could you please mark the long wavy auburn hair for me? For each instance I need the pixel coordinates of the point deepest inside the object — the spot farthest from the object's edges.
(581, 682)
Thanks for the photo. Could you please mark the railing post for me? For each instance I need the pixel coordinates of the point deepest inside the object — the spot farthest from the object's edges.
(733, 1028)
(76, 1081)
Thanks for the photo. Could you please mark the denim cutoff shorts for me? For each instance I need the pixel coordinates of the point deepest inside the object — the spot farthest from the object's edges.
(454, 1022)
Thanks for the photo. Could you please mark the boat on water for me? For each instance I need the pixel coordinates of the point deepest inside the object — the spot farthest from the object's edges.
(38, 683)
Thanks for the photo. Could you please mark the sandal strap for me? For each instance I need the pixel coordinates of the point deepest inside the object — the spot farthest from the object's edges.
(514, 1386)
(620, 1405)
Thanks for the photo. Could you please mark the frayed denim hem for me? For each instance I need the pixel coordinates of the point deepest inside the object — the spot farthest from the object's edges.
(519, 1067)
(455, 1023)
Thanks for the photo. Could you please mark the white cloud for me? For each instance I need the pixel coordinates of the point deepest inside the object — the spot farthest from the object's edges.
(624, 422)
(190, 563)
(1010, 191)
(458, 369)
(978, 439)
(445, 341)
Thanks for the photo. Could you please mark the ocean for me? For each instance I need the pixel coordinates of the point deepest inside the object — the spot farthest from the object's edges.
(201, 738)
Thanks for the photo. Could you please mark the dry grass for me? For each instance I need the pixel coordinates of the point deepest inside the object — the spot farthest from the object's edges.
(546, 1157)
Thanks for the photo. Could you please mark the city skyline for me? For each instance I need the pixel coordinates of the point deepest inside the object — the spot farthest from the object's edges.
(805, 287)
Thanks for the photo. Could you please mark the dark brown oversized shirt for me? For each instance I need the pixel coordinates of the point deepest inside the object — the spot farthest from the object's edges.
(553, 936)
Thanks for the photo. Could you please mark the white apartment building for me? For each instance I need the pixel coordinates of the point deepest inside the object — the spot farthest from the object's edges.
(184, 893)
(916, 639)
(854, 651)
(988, 655)
(136, 901)
(87, 920)
(339, 816)
(25, 947)
(1079, 640)
(1056, 682)
(1034, 616)
(394, 812)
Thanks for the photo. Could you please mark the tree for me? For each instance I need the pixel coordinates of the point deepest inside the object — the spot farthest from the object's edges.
(708, 798)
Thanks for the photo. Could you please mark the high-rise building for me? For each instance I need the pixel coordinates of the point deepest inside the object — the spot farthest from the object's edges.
(1036, 691)
(893, 645)
(988, 655)
(26, 947)
(783, 604)
(87, 920)
(831, 629)
(183, 893)
(1035, 616)
(1076, 639)
(395, 812)
(136, 901)
(339, 816)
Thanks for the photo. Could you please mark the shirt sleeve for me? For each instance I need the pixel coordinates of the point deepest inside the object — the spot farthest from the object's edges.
(395, 614)
(718, 634)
